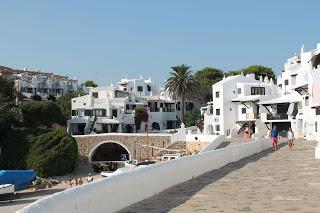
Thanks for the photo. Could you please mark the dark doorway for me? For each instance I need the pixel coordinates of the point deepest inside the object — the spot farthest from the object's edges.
(128, 129)
(81, 128)
(110, 152)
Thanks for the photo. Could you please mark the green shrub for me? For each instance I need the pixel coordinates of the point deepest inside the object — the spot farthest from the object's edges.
(15, 146)
(52, 154)
(41, 114)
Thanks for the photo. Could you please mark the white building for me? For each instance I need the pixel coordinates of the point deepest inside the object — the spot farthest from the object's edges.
(32, 83)
(302, 74)
(111, 109)
(234, 105)
(294, 102)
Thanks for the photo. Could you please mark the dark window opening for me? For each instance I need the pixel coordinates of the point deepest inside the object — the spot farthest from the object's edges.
(258, 91)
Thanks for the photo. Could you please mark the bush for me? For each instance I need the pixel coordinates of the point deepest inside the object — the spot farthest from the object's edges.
(53, 153)
(15, 145)
(41, 114)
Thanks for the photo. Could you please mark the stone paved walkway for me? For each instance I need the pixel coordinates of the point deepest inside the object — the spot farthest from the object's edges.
(280, 181)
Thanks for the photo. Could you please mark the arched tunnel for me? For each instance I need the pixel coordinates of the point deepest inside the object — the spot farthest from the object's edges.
(109, 151)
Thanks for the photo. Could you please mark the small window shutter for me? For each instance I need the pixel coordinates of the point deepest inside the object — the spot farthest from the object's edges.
(87, 112)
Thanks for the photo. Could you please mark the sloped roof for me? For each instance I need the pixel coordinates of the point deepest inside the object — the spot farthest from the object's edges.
(246, 98)
(283, 98)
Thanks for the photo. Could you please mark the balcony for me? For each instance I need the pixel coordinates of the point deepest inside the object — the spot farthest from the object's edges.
(168, 110)
(251, 116)
(280, 117)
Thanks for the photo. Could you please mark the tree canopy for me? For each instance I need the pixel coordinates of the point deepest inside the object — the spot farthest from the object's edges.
(206, 77)
(7, 91)
(258, 70)
(53, 153)
(41, 114)
(141, 115)
(64, 103)
(182, 84)
(90, 83)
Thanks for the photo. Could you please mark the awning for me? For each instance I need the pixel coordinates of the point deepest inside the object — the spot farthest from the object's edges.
(285, 98)
(250, 98)
(107, 121)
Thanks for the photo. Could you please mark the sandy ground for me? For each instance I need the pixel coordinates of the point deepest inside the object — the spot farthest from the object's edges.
(28, 196)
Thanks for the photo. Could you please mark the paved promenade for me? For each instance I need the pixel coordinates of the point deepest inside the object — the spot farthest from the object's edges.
(280, 181)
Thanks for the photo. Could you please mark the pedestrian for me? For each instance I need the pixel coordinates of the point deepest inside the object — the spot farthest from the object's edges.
(80, 181)
(70, 183)
(90, 178)
(290, 137)
(274, 138)
(76, 181)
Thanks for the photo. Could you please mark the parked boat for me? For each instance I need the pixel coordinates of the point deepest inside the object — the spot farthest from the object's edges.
(21, 179)
(6, 192)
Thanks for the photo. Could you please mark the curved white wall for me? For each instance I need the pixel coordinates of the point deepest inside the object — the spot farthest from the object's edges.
(119, 191)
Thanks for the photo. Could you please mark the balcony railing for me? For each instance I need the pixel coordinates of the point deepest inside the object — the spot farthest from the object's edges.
(279, 116)
(168, 110)
(251, 116)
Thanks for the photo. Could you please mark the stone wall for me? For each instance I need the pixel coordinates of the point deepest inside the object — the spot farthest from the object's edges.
(136, 144)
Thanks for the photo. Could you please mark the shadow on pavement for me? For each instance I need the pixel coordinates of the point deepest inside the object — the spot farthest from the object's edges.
(179, 194)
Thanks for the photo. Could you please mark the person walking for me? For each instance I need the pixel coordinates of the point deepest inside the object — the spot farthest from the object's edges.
(290, 137)
(89, 178)
(274, 138)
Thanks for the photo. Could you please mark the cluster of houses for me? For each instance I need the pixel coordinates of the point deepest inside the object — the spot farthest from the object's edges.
(239, 103)
(42, 84)
(258, 103)
(111, 109)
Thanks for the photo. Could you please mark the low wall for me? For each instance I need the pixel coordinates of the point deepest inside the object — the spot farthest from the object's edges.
(218, 139)
(119, 191)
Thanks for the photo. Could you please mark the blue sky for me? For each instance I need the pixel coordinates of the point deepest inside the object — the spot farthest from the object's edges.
(104, 40)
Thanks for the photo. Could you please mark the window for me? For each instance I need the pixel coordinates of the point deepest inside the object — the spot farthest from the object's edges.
(293, 80)
(286, 82)
(318, 111)
(80, 112)
(258, 91)
(217, 94)
(217, 111)
(316, 126)
(211, 111)
(95, 94)
(161, 105)
(244, 110)
(87, 112)
(217, 128)
(73, 112)
(140, 88)
(149, 88)
(239, 90)
(114, 113)
(306, 101)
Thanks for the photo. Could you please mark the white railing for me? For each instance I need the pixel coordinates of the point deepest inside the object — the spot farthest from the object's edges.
(117, 192)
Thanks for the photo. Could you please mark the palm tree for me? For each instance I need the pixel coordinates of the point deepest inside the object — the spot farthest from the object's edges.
(181, 84)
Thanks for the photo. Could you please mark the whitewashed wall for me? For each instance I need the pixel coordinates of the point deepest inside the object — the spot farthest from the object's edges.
(119, 191)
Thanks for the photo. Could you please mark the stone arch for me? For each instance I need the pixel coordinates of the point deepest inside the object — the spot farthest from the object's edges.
(155, 126)
(109, 151)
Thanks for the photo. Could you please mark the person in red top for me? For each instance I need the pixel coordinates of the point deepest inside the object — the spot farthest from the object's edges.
(274, 138)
